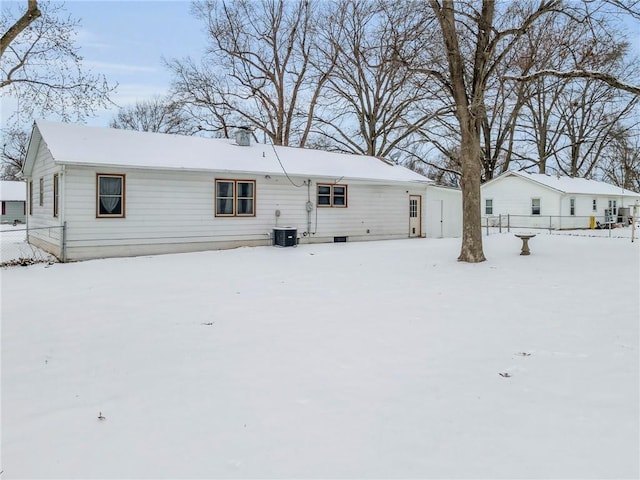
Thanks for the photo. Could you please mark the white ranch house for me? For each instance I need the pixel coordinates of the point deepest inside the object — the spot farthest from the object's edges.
(13, 196)
(126, 193)
(549, 201)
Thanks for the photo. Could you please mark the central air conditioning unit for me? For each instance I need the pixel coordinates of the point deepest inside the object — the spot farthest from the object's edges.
(285, 236)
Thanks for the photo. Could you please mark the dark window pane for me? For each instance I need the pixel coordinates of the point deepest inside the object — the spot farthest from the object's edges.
(110, 206)
(338, 201)
(324, 190)
(110, 186)
(224, 206)
(225, 189)
(324, 200)
(338, 191)
(245, 189)
(245, 207)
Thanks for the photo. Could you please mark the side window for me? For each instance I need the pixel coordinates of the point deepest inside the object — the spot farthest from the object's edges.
(572, 206)
(55, 195)
(535, 206)
(41, 193)
(488, 206)
(31, 197)
(110, 196)
(235, 198)
(332, 196)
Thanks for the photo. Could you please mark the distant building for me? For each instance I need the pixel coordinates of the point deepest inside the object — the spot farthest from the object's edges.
(558, 202)
(13, 196)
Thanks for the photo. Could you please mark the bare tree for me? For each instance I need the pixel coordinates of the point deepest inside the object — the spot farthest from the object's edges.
(476, 42)
(568, 121)
(372, 98)
(14, 151)
(621, 165)
(40, 66)
(592, 14)
(264, 48)
(155, 115)
(589, 112)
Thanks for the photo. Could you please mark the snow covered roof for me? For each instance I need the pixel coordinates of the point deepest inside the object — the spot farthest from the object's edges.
(109, 147)
(13, 191)
(574, 185)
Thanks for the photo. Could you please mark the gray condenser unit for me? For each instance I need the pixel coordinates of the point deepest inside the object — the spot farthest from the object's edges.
(285, 236)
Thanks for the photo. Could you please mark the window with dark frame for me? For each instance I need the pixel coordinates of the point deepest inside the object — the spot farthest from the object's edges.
(595, 205)
(55, 195)
(235, 198)
(41, 192)
(332, 196)
(31, 197)
(572, 206)
(110, 197)
(4, 208)
(535, 206)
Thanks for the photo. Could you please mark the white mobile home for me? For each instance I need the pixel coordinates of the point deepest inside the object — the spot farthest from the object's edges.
(125, 193)
(558, 202)
(13, 196)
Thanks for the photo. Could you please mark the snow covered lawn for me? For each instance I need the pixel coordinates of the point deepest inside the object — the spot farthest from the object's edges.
(357, 360)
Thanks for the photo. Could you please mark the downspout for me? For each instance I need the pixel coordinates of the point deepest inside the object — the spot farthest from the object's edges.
(309, 206)
(560, 212)
(61, 211)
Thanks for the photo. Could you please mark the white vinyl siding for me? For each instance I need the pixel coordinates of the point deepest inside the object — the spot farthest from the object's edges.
(185, 220)
(40, 216)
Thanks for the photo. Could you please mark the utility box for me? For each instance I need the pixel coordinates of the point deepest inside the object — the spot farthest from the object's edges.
(285, 236)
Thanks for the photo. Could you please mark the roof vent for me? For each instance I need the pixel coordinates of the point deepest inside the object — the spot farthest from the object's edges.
(243, 136)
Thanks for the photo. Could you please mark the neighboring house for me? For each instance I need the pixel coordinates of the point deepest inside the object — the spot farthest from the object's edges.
(13, 196)
(550, 201)
(126, 193)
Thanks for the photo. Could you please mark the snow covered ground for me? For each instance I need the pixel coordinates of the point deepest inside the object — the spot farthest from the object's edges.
(356, 360)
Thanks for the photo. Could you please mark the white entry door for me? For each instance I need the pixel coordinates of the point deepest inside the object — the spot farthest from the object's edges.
(415, 216)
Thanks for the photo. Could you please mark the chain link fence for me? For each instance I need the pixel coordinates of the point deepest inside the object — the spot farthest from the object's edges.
(592, 226)
(15, 250)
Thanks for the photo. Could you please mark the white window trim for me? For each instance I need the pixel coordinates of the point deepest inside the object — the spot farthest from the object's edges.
(539, 206)
(485, 206)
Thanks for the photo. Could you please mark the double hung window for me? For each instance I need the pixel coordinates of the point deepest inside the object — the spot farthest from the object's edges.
(535, 206)
(332, 196)
(110, 199)
(488, 206)
(235, 198)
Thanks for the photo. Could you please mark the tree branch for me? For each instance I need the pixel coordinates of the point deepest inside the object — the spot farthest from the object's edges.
(21, 24)
(604, 77)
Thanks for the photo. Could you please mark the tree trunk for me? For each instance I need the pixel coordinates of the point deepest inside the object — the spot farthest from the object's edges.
(470, 152)
(469, 113)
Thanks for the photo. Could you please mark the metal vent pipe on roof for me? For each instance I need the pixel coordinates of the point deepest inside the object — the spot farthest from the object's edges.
(243, 136)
